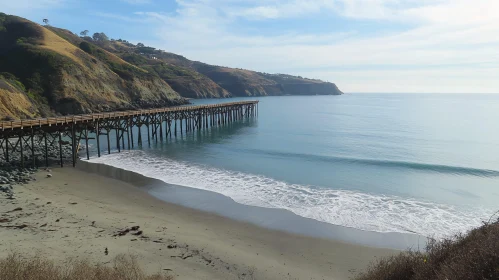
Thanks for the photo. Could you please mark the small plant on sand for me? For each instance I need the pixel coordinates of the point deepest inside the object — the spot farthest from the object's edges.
(17, 267)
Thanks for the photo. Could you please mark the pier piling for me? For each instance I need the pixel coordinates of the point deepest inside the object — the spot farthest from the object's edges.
(24, 135)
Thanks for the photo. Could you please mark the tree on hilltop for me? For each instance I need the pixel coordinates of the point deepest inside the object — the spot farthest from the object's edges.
(84, 33)
(46, 21)
(100, 37)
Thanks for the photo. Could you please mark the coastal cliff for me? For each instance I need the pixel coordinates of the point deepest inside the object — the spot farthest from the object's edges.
(195, 79)
(47, 71)
(240, 82)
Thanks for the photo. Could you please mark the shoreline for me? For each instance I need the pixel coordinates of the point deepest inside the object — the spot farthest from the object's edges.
(77, 213)
(269, 218)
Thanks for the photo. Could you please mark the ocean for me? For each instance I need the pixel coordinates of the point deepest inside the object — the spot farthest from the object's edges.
(423, 164)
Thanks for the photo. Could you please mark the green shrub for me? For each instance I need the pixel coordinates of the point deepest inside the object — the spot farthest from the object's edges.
(87, 47)
(125, 71)
(135, 59)
(41, 78)
(13, 81)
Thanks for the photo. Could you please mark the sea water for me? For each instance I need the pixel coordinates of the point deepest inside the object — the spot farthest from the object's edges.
(411, 163)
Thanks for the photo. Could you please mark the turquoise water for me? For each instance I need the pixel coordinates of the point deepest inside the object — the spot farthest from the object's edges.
(425, 164)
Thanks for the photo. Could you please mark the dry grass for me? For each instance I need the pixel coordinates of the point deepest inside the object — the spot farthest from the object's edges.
(14, 103)
(55, 43)
(16, 267)
(116, 59)
(472, 256)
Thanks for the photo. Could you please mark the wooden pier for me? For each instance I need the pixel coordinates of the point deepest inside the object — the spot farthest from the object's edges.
(21, 136)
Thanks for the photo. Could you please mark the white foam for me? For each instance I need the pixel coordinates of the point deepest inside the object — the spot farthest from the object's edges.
(340, 207)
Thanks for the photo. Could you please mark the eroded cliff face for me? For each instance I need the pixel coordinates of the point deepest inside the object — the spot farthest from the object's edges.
(318, 88)
(243, 89)
(198, 89)
(250, 83)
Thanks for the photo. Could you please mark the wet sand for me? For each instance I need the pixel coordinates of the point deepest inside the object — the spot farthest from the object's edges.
(79, 214)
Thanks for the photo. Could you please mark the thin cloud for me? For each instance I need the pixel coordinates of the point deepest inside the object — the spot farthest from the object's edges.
(280, 9)
(372, 44)
(206, 30)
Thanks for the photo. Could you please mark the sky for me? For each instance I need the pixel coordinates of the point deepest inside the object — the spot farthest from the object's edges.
(403, 46)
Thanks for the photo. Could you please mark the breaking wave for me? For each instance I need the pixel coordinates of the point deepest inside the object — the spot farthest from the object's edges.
(365, 211)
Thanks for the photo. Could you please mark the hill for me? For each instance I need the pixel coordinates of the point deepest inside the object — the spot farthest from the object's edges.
(195, 79)
(45, 74)
(52, 71)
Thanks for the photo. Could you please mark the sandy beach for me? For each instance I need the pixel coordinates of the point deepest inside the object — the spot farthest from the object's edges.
(80, 214)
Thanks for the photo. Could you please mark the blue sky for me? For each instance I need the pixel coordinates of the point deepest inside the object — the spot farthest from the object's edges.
(438, 46)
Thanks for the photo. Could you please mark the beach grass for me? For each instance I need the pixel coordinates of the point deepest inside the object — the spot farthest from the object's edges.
(124, 267)
(471, 256)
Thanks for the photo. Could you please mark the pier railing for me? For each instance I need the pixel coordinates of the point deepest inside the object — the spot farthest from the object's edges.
(119, 114)
(26, 138)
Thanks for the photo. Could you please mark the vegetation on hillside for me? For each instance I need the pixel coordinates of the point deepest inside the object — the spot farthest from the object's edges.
(61, 77)
(474, 256)
(196, 79)
(129, 60)
(14, 100)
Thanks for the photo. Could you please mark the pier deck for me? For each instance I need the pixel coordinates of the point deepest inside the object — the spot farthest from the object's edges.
(20, 136)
